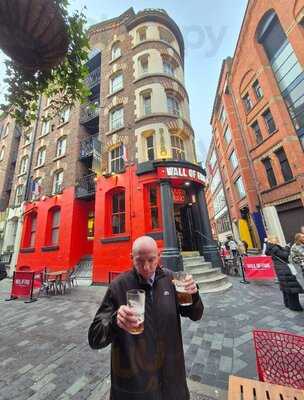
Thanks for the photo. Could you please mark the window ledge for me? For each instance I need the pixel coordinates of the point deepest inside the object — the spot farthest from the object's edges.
(50, 248)
(42, 136)
(114, 93)
(278, 186)
(39, 166)
(114, 59)
(25, 145)
(20, 175)
(62, 124)
(115, 130)
(27, 250)
(264, 140)
(59, 157)
(115, 239)
(149, 41)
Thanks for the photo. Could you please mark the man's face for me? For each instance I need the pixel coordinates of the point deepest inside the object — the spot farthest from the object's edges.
(145, 261)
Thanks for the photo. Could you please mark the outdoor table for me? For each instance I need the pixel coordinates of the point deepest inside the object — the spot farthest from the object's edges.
(249, 389)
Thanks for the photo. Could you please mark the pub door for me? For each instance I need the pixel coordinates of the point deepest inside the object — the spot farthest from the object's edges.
(188, 228)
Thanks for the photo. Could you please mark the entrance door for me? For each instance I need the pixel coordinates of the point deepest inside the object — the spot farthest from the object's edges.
(291, 216)
(188, 229)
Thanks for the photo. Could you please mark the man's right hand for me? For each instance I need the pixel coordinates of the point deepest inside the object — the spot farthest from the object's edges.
(126, 318)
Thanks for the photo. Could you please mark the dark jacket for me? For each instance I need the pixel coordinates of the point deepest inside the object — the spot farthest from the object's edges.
(288, 282)
(149, 366)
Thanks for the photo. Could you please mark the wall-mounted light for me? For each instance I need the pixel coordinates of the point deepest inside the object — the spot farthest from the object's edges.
(187, 183)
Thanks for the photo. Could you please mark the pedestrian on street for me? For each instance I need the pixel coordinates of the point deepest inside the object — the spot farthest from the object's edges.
(233, 247)
(288, 282)
(297, 256)
(151, 365)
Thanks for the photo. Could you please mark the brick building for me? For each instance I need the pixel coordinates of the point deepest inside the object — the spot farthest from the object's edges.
(92, 180)
(258, 123)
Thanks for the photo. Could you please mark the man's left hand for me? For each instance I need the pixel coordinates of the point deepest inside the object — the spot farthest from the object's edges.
(190, 285)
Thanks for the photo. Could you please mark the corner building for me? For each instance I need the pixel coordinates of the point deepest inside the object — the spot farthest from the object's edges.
(261, 92)
(132, 168)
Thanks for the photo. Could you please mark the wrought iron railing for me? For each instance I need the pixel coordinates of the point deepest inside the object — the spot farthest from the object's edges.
(86, 186)
(88, 145)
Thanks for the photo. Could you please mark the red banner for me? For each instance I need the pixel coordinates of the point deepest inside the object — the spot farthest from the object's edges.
(26, 284)
(259, 268)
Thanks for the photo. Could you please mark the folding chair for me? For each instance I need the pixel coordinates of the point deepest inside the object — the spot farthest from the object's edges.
(279, 357)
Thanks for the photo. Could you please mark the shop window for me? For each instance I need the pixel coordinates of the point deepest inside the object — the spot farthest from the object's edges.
(118, 215)
(269, 172)
(23, 165)
(117, 163)
(116, 51)
(247, 102)
(19, 195)
(58, 182)
(285, 167)
(53, 225)
(239, 186)
(41, 157)
(173, 105)
(150, 147)
(269, 121)
(257, 132)
(2, 153)
(257, 90)
(30, 231)
(91, 225)
(154, 208)
(178, 149)
(116, 118)
(64, 115)
(116, 83)
(61, 146)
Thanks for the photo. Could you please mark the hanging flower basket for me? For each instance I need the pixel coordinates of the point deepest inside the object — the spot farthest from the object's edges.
(33, 33)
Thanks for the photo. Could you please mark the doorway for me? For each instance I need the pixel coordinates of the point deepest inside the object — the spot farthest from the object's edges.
(185, 227)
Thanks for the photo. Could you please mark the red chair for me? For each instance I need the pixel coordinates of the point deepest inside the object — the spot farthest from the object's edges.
(279, 357)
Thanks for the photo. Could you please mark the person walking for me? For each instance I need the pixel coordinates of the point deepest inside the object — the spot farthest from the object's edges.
(148, 366)
(297, 256)
(233, 247)
(289, 285)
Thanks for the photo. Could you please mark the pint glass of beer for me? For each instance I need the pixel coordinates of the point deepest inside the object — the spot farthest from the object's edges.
(136, 301)
(184, 298)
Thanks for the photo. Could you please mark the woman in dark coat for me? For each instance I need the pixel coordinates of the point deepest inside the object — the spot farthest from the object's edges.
(288, 282)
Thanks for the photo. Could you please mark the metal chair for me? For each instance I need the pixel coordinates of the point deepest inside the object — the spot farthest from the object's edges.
(279, 357)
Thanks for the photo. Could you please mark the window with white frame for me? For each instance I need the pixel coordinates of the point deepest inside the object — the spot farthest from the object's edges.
(233, 160)
(28, 137)
(116, 51)
(2, 153)
(6, 130)
(41, 156)
(173, 105)
(36, 188)
(178, 148)
(116, 83)
(116, 118)
(64, 115)
(150, 147)
(23, 165)
(239, 186)
(165, 35)
(19, 195)
(146, 102)
(144, 64)
(61, 146)
(57, 182)
(168, 68)
(142, 34)
(55, 224)
(117, 158)
(46, 127)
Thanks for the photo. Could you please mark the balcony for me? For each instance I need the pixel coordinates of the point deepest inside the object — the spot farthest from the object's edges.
(88, 146)
(93, 78)
(89, 111)
(86, 187)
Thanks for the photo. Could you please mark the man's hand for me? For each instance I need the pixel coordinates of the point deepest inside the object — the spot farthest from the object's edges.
(126, 318)
(190, 285)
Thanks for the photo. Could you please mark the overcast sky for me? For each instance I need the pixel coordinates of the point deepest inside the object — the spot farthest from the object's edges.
(210, 29)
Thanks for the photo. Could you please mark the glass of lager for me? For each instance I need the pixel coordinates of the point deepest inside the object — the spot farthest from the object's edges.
(136, 300)
(184, 298)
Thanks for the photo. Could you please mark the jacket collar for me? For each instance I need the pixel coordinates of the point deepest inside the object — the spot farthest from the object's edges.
(159, 273)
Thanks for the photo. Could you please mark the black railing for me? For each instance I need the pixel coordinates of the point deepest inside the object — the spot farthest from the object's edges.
(93, 79)
(88, 146)
(86, 186)
(89, 111)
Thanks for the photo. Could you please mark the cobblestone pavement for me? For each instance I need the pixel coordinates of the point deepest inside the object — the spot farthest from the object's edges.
(44, 352)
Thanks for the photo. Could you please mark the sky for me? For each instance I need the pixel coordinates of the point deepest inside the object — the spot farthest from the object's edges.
(210, 29)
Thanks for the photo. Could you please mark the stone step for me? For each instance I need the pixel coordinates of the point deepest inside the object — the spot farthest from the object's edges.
(193, 268)
(190, 253)
(215, 282)
(206, 273)
(189, 260)
(219, 289)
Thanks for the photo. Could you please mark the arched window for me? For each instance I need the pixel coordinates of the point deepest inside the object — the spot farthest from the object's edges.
(41, 157)
(19, 195)
(2, 153)
(23, 165)
(286, 67)
(178, 149)
(30, 230)
(53, 225)
(58, 182)
(116, 51)
(118, 212)
(61, 146)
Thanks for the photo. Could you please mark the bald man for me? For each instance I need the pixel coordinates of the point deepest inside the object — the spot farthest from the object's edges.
(151, 365)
